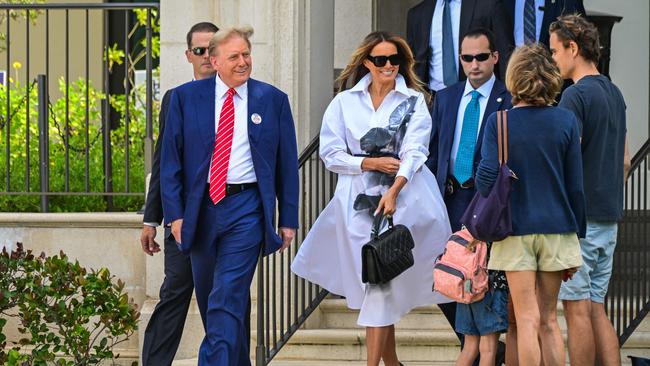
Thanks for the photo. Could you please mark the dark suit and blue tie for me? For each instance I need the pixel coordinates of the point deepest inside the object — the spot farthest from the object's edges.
(458, 117)
(430, 25)
(220, 193)
(445, 116)
(531, 18)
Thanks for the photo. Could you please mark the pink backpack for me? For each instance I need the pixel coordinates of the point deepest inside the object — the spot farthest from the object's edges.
(460, 272)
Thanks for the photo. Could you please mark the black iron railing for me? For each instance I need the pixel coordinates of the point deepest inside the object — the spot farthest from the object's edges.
(76, 115)
(284, 300)
(628, 298)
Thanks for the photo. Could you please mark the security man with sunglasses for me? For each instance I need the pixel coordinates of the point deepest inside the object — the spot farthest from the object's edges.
(165, 327)
(458, 115)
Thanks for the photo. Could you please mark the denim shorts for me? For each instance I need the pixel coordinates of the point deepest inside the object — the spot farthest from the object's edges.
(592, 279)
(484, 317)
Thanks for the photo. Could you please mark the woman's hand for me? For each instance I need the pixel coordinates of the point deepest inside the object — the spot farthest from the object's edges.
(386, 165)
(387, 203)
(568, 273)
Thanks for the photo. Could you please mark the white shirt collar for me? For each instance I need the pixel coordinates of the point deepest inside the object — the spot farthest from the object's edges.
(364, 83)
(221, 88)
(484, 89)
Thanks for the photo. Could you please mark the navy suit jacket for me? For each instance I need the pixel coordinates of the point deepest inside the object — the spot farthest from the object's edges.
(444, 116)
(552, 10)
(189, 139)
(153, 211)
(490, 14)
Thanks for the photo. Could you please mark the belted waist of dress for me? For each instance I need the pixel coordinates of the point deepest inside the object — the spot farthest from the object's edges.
(379, 155)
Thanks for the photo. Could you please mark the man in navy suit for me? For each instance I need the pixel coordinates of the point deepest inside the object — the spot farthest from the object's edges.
(538, 15)
(455, 147)
(428, 23)
(165, 327)
(230, 153)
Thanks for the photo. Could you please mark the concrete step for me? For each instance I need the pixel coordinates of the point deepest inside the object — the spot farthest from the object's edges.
(339, 345)
(423, 337)
(193, 362)
(336, 315)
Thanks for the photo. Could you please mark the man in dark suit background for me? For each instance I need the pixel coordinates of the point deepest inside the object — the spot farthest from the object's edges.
(165, 327)
(230, 154)
(435, 28)
(531, 18)
(457, 132)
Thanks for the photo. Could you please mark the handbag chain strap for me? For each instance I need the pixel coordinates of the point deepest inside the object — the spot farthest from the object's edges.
(502, 136)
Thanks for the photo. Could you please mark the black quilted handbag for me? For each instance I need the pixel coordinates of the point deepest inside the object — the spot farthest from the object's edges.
(388, 254)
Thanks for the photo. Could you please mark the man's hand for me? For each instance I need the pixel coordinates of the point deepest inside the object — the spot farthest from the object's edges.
(147, 240)
(177, 225)
(287, 235)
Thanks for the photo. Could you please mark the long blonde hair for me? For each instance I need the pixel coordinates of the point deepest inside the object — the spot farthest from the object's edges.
(355, 69)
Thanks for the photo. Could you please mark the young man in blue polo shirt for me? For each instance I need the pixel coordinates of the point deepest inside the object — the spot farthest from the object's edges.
(600, 109)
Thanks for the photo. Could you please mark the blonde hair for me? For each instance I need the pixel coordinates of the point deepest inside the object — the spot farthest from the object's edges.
(244, 32)
(532, 77)
(355, 69)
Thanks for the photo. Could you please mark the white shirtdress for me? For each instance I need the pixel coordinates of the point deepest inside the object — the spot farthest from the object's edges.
(330, 255)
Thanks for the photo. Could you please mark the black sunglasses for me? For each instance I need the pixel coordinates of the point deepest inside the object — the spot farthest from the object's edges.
(198, 51)
(380, 61)
(480, 57)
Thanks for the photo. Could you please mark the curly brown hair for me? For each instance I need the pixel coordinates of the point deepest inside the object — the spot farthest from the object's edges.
(532, 77)
(355, 70)
(575, 28)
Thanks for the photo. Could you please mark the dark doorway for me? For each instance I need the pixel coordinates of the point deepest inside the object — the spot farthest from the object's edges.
(390, 15)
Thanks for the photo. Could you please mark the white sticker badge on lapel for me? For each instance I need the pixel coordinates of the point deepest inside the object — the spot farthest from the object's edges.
(256, 118)
(499, 100)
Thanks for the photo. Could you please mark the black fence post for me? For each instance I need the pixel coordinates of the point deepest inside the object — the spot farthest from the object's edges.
(106, 125)
(260, 350)
(43, 140)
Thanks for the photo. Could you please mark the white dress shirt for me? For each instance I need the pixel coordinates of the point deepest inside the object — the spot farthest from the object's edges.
(485, 91)
(519, 20)
(351, 115)
(435, 63)
(240, 166)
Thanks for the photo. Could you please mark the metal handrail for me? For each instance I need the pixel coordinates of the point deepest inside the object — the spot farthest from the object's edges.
(284, 300)
(628, 297)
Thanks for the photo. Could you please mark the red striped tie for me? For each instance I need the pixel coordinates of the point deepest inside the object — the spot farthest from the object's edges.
(222, 146)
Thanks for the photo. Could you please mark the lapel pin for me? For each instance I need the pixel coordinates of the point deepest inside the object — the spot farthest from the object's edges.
(499, 100)
(256, 118)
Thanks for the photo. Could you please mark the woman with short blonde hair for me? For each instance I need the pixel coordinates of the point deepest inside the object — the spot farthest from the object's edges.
(532, 77)
(546, 201)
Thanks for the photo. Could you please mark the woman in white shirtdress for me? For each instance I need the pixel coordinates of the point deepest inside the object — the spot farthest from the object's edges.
(379, 159)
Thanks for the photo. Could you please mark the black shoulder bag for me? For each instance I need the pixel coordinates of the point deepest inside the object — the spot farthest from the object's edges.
(388, 254)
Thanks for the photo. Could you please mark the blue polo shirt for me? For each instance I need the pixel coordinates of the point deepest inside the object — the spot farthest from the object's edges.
(599, 106)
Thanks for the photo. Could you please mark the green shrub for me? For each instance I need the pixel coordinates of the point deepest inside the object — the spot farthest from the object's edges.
(69, 315)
